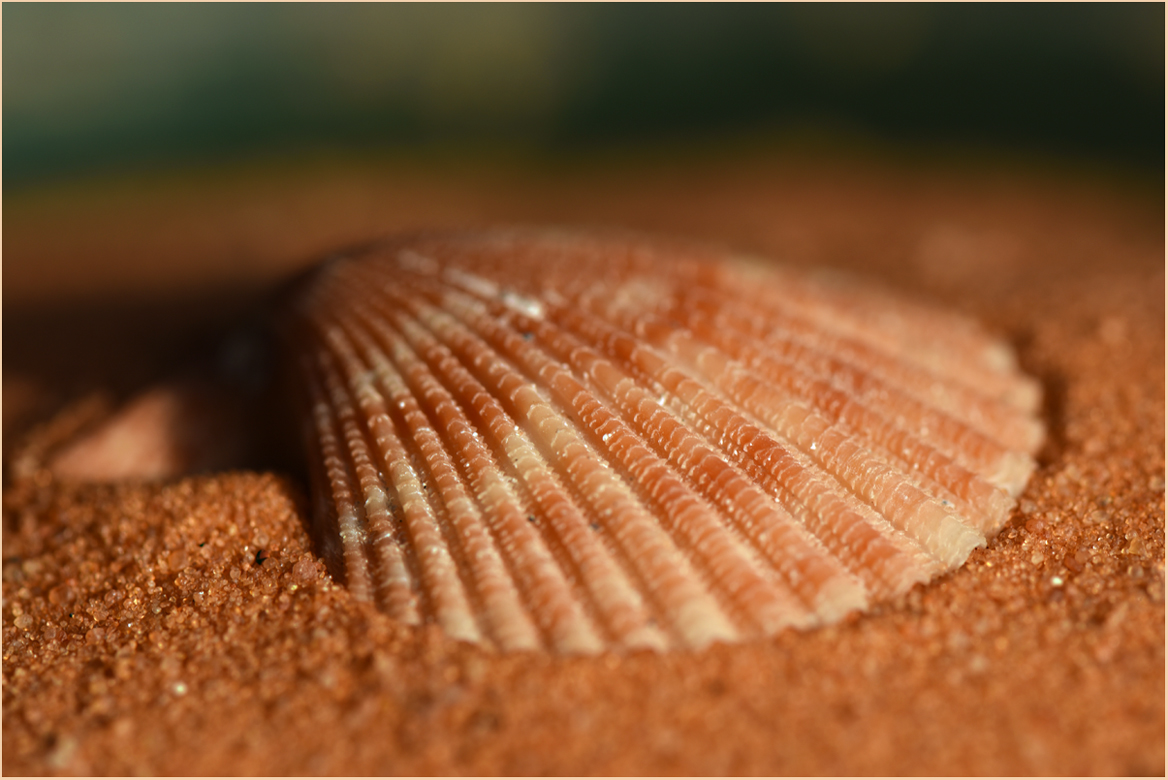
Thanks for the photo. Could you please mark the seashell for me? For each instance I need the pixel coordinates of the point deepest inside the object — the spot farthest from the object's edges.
(581, 442)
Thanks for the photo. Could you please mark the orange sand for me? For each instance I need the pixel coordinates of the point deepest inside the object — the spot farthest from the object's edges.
(144, 633)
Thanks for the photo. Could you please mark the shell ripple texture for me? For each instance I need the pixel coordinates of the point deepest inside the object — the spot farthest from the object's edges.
(582, 442)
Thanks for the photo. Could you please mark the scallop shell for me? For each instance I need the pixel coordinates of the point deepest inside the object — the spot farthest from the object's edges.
(581, 442)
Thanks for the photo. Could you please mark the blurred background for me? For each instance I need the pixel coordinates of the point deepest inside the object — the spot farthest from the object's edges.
(167, 164)
(90, 88)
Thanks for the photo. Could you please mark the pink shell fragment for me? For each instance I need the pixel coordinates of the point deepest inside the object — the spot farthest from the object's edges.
(580, 442)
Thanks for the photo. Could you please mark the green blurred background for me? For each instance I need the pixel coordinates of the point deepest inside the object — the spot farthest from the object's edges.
(90, 88)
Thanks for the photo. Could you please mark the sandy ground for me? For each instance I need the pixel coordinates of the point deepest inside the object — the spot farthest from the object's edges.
(182, 625)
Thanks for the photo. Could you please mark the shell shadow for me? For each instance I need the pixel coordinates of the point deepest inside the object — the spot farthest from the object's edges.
(1055, 386)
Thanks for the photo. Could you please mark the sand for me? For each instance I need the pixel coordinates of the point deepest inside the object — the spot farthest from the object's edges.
(182, 625)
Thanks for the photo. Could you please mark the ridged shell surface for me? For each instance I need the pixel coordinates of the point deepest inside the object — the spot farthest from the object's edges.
(580, 442)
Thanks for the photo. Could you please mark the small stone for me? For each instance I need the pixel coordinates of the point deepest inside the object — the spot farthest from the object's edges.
(176, 560)
(304, 572)
(62, 753)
